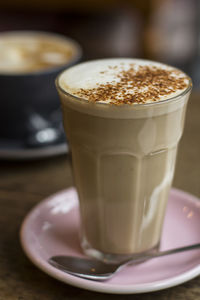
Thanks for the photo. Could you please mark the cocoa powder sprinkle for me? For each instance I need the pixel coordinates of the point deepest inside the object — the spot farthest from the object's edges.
(146, 84)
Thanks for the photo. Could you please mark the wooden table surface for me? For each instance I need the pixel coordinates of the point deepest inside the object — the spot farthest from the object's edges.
(24, 184)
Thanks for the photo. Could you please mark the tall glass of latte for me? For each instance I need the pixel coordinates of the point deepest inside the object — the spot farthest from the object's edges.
(124, 119)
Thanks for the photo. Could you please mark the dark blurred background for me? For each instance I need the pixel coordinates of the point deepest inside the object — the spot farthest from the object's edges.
(163, 30)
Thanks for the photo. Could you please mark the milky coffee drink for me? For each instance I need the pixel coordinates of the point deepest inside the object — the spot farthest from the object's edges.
(22, 52)
(124, 119)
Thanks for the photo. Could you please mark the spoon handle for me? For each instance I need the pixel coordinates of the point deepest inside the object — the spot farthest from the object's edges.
(163, 253)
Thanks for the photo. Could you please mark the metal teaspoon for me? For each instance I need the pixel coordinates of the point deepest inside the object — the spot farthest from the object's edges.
(98, 270)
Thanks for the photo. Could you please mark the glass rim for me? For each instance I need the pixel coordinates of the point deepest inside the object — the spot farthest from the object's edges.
(183, 93)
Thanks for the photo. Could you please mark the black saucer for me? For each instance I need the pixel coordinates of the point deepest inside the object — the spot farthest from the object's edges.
(17, 150)
(40, 136)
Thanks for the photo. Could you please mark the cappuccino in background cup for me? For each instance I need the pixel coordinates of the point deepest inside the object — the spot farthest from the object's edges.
(25, 52)
(124, 119)
(29, 64)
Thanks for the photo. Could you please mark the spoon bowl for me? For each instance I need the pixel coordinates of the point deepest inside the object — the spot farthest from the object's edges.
(101, 270)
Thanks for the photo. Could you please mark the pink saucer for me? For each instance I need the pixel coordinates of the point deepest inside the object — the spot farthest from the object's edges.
(51, 228)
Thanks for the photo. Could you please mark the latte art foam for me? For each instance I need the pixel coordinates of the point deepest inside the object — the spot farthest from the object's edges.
(124, 81)
(32, 51)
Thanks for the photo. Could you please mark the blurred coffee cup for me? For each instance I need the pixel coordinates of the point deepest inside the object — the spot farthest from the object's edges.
(29, 64)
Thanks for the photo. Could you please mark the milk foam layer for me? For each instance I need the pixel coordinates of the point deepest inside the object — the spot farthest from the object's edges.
(32, 51)
(91, 75)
